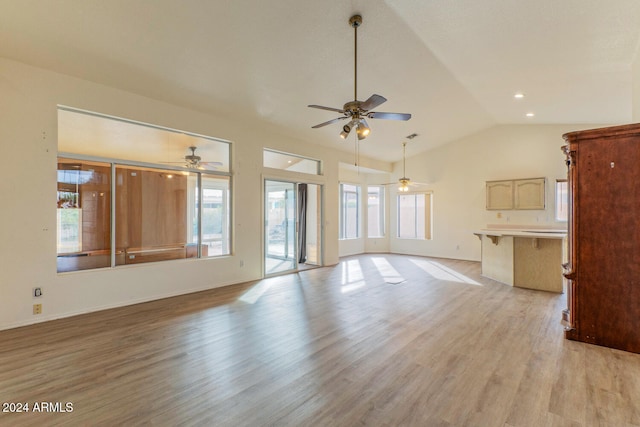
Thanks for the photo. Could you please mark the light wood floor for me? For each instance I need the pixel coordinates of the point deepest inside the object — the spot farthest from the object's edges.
(337, 346)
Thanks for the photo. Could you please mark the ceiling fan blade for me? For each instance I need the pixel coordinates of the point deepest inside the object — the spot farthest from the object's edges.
(417, 184)
(389, 116)
(410, 183)
(337, 110)
(211, 163)
(373, 101)
(329, 122)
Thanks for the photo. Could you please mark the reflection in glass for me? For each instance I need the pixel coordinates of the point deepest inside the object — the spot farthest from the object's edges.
(83, 217)
(151, 214)
(290, 162)
(113, 138)
(151, 207)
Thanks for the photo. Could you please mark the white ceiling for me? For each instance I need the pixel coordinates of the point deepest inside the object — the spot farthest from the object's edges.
(454, 65)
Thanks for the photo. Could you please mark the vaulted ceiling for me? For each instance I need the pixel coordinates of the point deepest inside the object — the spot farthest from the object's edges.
(455, 65)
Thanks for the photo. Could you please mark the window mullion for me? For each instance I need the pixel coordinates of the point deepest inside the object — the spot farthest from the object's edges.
(112, 222)
(200, 213)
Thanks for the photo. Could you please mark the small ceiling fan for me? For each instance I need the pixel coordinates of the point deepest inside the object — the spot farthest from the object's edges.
(194, 161)
(404, 183)
(356, 110)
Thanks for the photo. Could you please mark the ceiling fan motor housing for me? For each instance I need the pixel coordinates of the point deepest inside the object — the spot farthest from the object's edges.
(352, 107)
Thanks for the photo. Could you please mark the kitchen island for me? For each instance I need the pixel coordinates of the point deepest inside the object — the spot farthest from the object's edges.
(524, 257)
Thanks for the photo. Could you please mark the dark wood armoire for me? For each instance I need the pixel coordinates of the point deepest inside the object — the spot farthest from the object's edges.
(603, 268)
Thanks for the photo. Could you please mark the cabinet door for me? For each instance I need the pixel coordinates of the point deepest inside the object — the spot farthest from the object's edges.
(529, 193)
(608, 242)
(499, 195)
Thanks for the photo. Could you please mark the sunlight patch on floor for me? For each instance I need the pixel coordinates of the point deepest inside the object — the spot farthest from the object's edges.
(386, 270)
(352, 277)
(442, 272)
(277, 265)
(254, 294)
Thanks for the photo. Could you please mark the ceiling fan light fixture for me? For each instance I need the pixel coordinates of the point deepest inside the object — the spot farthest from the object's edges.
(346, 129)
(404, 185)
(363, 130)
(191, 159)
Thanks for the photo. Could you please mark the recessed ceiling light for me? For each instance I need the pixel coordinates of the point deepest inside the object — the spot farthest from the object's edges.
(519, 95)
(530, 114)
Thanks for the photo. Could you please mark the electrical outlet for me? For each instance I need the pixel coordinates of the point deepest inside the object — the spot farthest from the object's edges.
(37, 308)
(37, 292)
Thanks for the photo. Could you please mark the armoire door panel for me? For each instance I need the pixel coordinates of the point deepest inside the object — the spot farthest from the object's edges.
(605, 236)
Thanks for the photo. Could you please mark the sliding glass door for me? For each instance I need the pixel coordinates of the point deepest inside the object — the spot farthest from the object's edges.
(280, 226)
(293, 226)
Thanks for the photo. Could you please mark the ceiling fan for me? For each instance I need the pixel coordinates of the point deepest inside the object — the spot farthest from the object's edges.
(404, 183)
(193, 161)
(356, 110)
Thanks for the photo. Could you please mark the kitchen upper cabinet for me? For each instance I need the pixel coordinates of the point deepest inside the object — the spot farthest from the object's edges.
(516, 194)
(529, 193)
(499, 195)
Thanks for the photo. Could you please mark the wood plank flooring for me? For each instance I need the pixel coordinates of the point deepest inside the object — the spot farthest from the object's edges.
(334, 346)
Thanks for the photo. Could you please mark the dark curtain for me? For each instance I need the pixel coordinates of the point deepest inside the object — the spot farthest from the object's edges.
(302, 223)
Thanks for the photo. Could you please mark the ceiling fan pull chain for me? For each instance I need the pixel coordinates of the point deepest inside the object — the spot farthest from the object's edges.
(355, 150)
(358, 152)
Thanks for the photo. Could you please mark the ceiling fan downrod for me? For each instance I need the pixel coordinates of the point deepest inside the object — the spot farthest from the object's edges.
(404, 160)
(355, 21)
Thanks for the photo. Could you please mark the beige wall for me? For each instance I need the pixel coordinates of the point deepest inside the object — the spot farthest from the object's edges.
(28, 151)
